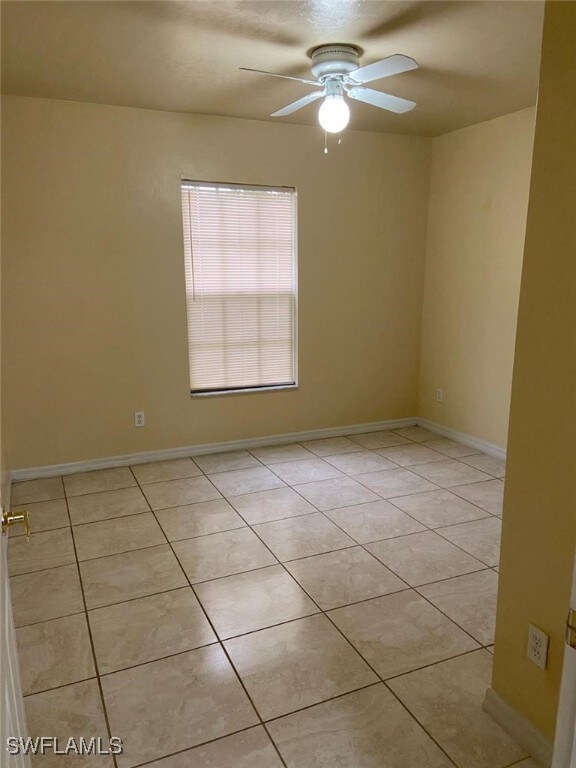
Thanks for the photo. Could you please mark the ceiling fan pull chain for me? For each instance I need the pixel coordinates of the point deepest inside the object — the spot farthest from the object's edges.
(325, 142)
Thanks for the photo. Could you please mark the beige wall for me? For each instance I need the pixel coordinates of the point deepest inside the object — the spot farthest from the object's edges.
(539, 519)
(476, 225)
(94, 306)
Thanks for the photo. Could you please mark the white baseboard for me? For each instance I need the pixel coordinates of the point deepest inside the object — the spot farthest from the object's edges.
(519, 727)
(33, 473)
(461, 437)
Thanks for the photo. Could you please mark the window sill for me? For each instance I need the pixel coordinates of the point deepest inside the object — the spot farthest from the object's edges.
(247, 391)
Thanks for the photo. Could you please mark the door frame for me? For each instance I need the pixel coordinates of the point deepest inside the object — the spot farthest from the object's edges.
(12, 714)
(565, 738)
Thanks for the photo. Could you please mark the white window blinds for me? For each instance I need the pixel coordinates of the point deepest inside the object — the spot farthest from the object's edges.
(239, 251)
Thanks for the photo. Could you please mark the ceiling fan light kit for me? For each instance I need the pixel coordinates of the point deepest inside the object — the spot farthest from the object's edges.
(334, 113)
(338, 74)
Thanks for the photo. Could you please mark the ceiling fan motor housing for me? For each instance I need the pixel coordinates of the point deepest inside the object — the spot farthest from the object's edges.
(334, 60)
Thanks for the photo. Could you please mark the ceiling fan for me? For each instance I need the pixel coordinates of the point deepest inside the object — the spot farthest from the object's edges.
(338, 74)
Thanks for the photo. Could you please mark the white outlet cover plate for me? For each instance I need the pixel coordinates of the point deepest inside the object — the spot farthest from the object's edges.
(537, 646)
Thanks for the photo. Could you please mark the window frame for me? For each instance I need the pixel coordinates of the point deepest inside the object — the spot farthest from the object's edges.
(265, 388)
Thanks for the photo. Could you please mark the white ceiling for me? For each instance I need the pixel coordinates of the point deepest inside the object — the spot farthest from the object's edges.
(477, 60)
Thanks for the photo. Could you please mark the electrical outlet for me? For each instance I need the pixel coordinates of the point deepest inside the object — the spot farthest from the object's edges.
(139, 420)
(439, 395)
(537, 646)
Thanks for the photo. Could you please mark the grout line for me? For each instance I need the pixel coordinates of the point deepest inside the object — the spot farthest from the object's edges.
(94, 659)
(108, 519)
(219, 641)
(426, 731)
(281, 564)
(57, 687)
(133, 599)
(18, 535)
(161, 658)
(52, 618)
(207, 743)
(324, 701)
(229, 575)
(349, 642)
(354, 649)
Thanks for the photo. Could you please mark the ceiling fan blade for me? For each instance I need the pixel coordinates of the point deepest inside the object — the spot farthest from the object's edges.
(286, 77)
(392, 65)
(308, 99)
(382, 100)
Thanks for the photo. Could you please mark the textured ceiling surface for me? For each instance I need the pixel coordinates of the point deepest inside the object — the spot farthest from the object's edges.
(477, 60)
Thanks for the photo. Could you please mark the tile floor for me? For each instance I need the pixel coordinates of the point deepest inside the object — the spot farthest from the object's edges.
(328, 604)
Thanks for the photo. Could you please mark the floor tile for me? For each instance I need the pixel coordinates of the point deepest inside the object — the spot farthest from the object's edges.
(423, 557)
(177, 493)
(395, 482)
(449, 473)
(246, 481)
(400, 632)
(379, 439)
(74, 710)
(330, 446)
(346, 576)
(175, 703)
(225, 462)
(365, 729)
(109, 537)
(103, 506)
(361, 462)
(373, 521)
(528, 763)
(148, 628)
(253, 600)
(306, 471)
(417, 434)
(302, 536)
(198, 519)
(222, 554)
(157, 471)
(274, 454)
(46, 595)
(470, 601)
(330, 494)
(437, 508)
(134, 574)
(447, 699)
(98, 480)
(277, 504)
(36, 490)
(43, 516)
(451, 448)
(487, 495)
(247, 749)
(407, 455)
(297, 664)
(54, 653)
(490, 464)
(44, 550)
(481, 538)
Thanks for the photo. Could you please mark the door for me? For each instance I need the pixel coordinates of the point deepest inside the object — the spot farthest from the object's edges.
(12, 719)
(565, 741)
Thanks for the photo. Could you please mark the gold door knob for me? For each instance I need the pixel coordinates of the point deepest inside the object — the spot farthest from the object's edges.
(16, 518)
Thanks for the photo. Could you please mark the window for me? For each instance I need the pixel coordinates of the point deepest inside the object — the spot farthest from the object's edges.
(240, 257)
